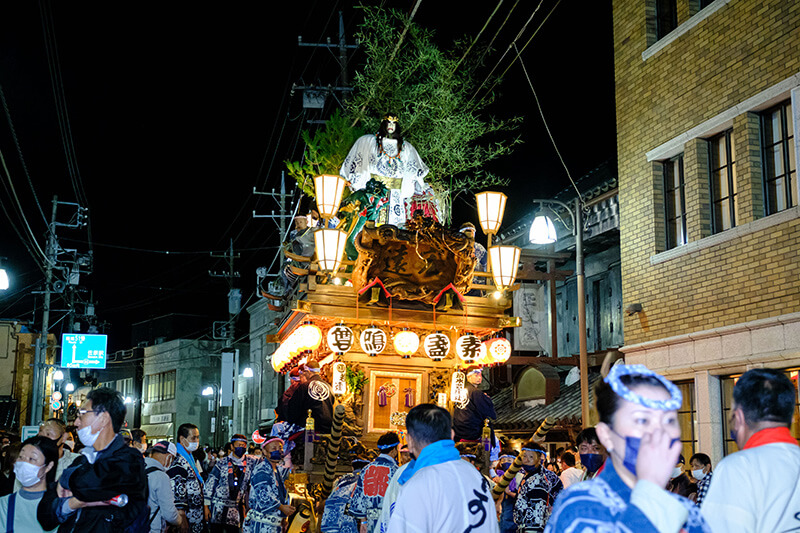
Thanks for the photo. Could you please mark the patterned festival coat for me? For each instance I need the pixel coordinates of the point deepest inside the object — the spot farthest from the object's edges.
(267, 494)
(334, 519)
(224, 498)
(370, 489)
(188, 489)
(535, 499)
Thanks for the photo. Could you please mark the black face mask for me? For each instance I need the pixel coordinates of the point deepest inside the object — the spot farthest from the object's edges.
(413, 456)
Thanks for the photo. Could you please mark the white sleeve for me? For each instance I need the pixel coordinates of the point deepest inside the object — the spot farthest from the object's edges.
(664, 512)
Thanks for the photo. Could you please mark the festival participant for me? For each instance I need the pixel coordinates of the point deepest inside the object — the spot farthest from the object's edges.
(536, 493)
(313, 393)
(569, 473)
(702, 474)
(468, 420)
(440, 491)
(371, 486)
(639, 427)
(334, 519)
(268, 502)
(481, 257)
(187, 482)
(509, 497)
(35, 466)
(392, 493)
(758, 487)
(225, 490)
(591, 452)
(387, 156)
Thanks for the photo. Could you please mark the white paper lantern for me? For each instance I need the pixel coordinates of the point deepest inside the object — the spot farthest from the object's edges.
(340, 339)
(468, 348)
(437, 346)
(373, 340)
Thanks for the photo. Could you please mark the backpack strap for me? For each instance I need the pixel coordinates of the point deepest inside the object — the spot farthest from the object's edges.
(151, 469)
(10, 516)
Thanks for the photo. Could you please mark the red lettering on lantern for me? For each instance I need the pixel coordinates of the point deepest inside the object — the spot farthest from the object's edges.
(376, 480)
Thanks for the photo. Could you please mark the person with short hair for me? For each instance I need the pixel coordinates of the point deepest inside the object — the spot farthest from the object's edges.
(468, 421)
(56, 430)
(638, 411)
(268, 503)
(537, 491)
(700, 464)
(34, 467)
(314, 394)
(440, 492)
(139, 440)
(758, 487)
(187, 482)
(161, 498)
(334, 519)
(371, 487)
(569, 473)
(481, 257)
(225, 491)
(82, 499)
(591, 452)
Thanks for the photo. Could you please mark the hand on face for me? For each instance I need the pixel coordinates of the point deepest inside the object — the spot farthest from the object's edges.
(657, 457)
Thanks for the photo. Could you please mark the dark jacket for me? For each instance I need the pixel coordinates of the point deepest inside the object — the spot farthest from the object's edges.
(468, 422)
(282, 410)
(119, 469)
(317, 395)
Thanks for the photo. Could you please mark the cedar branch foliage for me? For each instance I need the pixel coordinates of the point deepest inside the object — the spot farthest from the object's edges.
(430, 90)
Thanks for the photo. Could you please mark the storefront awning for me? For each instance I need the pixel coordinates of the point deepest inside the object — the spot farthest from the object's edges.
(158, 430)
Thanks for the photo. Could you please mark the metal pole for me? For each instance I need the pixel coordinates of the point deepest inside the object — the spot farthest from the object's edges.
(579, 270)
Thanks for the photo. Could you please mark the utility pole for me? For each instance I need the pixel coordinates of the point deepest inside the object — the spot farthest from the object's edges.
(284, 203)
(234, 306)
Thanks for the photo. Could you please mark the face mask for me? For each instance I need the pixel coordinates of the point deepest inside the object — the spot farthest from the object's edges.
(26, 473)
(530, 468)
(69, 444)
(192, 446)
(239, 451)
(275, 455)
(87, 437)
(698, 474)
(676, 472)
(592, 461)
(632, 451)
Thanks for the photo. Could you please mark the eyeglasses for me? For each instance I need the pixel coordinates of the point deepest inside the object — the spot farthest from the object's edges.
(82, 412)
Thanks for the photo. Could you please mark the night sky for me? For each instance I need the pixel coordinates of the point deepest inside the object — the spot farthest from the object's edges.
(178, 110)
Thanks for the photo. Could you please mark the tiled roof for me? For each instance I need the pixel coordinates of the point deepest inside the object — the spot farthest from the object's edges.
(566, 410)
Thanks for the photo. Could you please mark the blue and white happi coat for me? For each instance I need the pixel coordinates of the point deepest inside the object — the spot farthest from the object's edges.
(535, 497)
(267, 494)
(607, 504)
(224, 495)
(371, 487)
(334, 519)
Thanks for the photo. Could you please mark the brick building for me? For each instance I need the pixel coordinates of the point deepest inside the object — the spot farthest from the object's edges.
(707, 101)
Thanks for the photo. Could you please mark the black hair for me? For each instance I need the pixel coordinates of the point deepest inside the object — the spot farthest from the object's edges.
(765, 395)
(428, 423)
(184, 430)
(608, 401)
(49, 449)
(383, 133)
(108, 400)
(62, 427)
(701, 458)
(138, 434)
(587, 435)
(387, 440)
(568, 458)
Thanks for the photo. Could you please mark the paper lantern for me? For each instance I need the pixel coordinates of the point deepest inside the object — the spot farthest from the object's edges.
(329, 190)
(468, 348)
(258, 438)
(504, 263)
(491, 206)
(329, 246)
(406, 343)
(458, 389)
(437, 346)
(373, 340)
(499, 350)
(340, 339)
(309, 337)
(339, 384)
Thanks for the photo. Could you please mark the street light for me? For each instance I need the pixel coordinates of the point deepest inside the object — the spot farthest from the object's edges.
(70, 387)
(212, 390)
(248, 373)
(543, 232)
(58, 375)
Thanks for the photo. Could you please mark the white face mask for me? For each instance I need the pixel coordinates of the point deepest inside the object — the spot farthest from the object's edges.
(192, 446)
(87, 437)
(676, 472)
(698, 474)
(27, 473)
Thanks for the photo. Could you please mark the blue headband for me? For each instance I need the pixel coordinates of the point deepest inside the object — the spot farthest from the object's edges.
(387, 446)
(613, 379)
(468, 455)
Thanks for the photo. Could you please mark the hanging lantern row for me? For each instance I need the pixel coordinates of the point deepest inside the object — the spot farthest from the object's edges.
(306, 338)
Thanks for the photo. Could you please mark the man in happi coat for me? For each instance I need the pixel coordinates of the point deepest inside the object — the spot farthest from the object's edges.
(371, 486)
(334, 519)
(226, 488)
(187, 483)
(536, 493)
(269, 501)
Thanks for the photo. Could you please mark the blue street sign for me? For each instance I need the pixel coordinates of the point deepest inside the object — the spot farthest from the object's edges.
(83, 350)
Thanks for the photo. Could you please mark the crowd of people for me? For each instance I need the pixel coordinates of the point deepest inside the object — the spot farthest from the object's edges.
(625, 474)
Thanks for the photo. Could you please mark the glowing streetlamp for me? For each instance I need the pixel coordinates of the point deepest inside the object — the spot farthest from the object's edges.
(504, 264)
(329, 245)
(70, 387)
(58, 375)
(491, 206)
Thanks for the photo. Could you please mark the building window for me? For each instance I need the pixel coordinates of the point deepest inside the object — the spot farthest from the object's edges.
(666, 17)
(727, 383)
(674, 202)
(722, 169)
(160, 387)
(687, 418)
(777, 151)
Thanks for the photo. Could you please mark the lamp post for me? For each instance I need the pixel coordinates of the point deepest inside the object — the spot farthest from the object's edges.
(4, 282)
(248, 373)
(543, 232)
(213, 390)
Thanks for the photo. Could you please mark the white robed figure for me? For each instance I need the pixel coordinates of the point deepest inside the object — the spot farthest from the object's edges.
(393, 161)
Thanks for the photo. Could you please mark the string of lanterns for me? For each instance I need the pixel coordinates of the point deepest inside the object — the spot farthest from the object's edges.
(373, 340)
